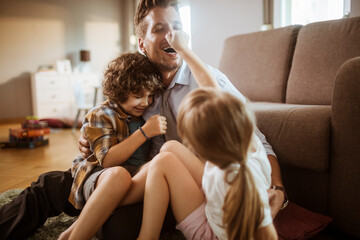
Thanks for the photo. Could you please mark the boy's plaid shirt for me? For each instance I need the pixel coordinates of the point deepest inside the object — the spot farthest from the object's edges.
(103, 127)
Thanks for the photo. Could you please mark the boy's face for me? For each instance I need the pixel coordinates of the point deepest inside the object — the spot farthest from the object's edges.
(136, 104)
(154, 44)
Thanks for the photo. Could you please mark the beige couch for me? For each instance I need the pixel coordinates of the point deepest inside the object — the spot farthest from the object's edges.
(304, 86)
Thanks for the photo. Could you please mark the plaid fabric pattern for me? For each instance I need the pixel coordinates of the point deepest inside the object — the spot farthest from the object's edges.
(103, 126)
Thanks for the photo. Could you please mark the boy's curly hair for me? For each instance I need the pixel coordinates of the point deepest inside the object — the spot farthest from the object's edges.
(143, 9)
(130, 73)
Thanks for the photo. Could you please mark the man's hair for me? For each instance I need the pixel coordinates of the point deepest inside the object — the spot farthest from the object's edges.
(130, 73)
(143, 9)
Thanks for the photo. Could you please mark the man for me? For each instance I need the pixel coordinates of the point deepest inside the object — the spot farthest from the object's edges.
(48, 196)
(152, 23)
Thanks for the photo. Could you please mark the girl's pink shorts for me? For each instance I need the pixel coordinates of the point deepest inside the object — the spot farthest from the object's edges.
(195, 226)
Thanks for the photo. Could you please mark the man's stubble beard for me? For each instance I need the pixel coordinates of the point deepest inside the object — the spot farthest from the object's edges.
(163, 66)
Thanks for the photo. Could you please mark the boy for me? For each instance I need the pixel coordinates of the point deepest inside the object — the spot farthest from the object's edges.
(118, 137)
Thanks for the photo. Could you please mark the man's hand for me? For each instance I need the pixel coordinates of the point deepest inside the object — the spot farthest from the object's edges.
(276, 200)
(177, 39)
(155, 125)
(84, 146)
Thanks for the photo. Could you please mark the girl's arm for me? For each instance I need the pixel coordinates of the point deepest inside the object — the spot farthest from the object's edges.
(266, 233)
(178, 39)
(122, 151)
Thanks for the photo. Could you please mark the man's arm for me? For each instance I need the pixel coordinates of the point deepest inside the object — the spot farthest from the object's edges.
(266, 233)
(84, 146)
(276, 197)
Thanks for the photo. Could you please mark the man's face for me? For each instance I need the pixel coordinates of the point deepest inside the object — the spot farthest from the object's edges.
(136, 104)
(154, 44)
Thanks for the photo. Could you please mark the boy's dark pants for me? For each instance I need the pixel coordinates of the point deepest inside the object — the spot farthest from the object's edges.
(48, 197)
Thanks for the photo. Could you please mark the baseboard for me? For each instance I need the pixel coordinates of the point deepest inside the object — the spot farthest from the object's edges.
(12, 120)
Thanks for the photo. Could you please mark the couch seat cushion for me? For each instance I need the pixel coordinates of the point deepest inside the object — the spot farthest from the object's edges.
(299, 134)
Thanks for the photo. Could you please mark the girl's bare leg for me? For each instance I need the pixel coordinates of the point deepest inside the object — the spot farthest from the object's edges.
(191, 162)
(189, 159)
(168, 180)
(111, 187)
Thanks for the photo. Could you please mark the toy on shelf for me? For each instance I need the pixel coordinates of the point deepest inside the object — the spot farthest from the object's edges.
(30, 135)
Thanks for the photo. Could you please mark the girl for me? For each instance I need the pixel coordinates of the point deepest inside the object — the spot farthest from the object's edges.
(221, 192)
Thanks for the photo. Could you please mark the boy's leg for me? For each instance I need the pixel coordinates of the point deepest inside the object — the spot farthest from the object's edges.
(45, 198)
(112, 185)
(168, 180)
(125, 221)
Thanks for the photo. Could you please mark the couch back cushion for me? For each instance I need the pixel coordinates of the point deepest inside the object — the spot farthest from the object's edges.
(321, 48)
(258, 64)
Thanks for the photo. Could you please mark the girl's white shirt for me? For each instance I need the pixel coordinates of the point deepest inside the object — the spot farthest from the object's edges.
(215, 187)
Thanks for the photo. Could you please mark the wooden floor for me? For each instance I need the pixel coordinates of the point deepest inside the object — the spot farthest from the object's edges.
(19, 167)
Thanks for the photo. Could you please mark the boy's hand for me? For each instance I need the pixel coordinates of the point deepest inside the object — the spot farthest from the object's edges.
(177, 39)
(155, 125)
(84, 146)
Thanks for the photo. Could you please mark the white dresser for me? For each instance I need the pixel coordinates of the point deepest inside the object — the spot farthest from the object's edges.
(57, 95)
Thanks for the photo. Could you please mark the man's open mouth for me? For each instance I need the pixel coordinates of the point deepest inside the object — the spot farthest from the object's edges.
(169, 50)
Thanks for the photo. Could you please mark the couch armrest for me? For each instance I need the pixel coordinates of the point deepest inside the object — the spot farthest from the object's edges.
(299, 134)
(345, 163)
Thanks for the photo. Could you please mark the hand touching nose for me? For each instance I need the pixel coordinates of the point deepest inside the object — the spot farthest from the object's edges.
(177, 39)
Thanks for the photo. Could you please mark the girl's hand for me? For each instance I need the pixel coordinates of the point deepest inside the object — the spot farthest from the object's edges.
(155, 125)
(177, 39)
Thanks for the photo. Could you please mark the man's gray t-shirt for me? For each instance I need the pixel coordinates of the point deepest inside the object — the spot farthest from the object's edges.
(182, 84)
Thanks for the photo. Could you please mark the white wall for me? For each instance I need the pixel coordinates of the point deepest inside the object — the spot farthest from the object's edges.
(40, 32)
(212, 21)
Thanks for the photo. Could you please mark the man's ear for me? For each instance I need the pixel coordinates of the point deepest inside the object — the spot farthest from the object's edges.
(141, 45)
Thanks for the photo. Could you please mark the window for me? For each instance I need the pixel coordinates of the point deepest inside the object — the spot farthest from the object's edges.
(184, 10)
(290, 12)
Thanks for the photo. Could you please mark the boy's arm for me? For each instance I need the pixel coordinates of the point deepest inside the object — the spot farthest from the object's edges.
(122, 151)
(178, 39)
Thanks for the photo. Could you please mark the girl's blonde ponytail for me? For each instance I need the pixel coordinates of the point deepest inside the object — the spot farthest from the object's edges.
(243, 211)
